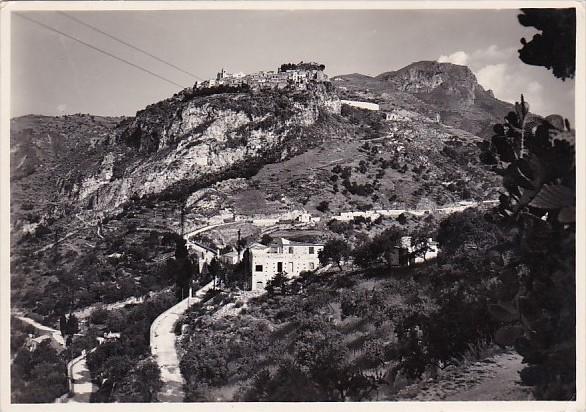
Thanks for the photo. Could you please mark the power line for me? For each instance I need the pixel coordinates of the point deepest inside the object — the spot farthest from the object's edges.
(98, 49)
(129, 45)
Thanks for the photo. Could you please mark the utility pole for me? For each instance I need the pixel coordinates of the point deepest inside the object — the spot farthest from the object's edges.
(238, 246)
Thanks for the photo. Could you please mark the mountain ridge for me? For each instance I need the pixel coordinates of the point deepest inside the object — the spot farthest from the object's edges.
(450, 90)
(186, 142)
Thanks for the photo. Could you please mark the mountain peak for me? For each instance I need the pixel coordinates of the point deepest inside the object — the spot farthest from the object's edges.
(432, 76)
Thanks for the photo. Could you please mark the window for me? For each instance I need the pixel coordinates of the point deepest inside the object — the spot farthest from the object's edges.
(311, 265)
(291, 250)
(258, 268)
(311, 250)
(279, 266)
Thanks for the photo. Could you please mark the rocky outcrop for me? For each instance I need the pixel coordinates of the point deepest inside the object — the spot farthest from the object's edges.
(185, 145)
(431, 88)
(432, 77)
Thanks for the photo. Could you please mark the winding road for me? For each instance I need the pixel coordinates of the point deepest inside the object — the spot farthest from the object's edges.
(44, 330)
(81, 383)
(162, 338)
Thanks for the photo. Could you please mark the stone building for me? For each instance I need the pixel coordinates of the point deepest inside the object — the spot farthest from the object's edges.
(282, 255)
(297, 77)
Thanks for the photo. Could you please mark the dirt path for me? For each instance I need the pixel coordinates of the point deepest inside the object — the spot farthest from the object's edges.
(493, 379)
(42, 329)
(85, 312)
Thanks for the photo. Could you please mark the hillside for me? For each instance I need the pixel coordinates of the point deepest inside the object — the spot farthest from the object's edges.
(90, 182)
(349, 333)
(49, 156)
(429, 87)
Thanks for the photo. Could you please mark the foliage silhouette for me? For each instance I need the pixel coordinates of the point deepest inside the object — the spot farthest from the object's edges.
(555, 47)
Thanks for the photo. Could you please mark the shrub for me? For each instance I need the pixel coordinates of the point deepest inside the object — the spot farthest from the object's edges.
(323, 206)
(341, 228)
(99, 316)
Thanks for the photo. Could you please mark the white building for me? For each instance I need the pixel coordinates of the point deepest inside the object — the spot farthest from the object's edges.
(265, 221)
(304, 217)
(348, 216)
(282, 255)
(230, 258)
(361, 105)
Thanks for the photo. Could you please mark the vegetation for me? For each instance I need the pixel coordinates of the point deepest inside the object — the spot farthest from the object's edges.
(38, 373)
(122, 369)
(184, 267)
(555, 47)
(334, 251)
(323, 206)
(208, 91)
(349, 335)
(537, 306)
(302, 66)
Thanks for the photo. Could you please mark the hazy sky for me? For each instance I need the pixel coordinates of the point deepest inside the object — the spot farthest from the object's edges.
(52, 74)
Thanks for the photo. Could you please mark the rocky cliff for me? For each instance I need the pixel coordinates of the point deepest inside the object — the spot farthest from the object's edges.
(429, 77)
(187, 142)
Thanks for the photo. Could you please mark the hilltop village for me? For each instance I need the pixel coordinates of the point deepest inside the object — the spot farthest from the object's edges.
(293, 75)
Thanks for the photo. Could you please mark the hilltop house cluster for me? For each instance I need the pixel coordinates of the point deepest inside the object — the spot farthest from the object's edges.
(298, 75)
(393, 213)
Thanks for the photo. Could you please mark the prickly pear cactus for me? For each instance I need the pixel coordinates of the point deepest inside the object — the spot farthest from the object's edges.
(536, 295)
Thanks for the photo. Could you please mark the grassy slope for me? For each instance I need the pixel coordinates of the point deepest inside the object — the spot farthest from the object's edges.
(304, 180)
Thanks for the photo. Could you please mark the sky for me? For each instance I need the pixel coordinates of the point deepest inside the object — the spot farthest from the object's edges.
(53, 75)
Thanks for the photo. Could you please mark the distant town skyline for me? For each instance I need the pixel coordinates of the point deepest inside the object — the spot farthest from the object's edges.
(52, 74)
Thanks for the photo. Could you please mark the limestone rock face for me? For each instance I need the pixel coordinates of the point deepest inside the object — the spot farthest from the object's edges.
(181, 144)
(436, 78)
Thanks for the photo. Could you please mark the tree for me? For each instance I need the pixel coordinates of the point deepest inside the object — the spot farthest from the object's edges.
(469, 227)
(280, 280)
(335, 251)
(402, 218)
(420, 241)
(266, 239)
(116, 368)
(323, 206)
(183, 268)
(62, 324)
(555, 47)
(142, 384)
(384, 244)
(72, 325)
(216, 270)
(323, 355)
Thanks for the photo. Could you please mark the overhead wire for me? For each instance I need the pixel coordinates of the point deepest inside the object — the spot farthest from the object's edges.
(132, 46)
(107, 53)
